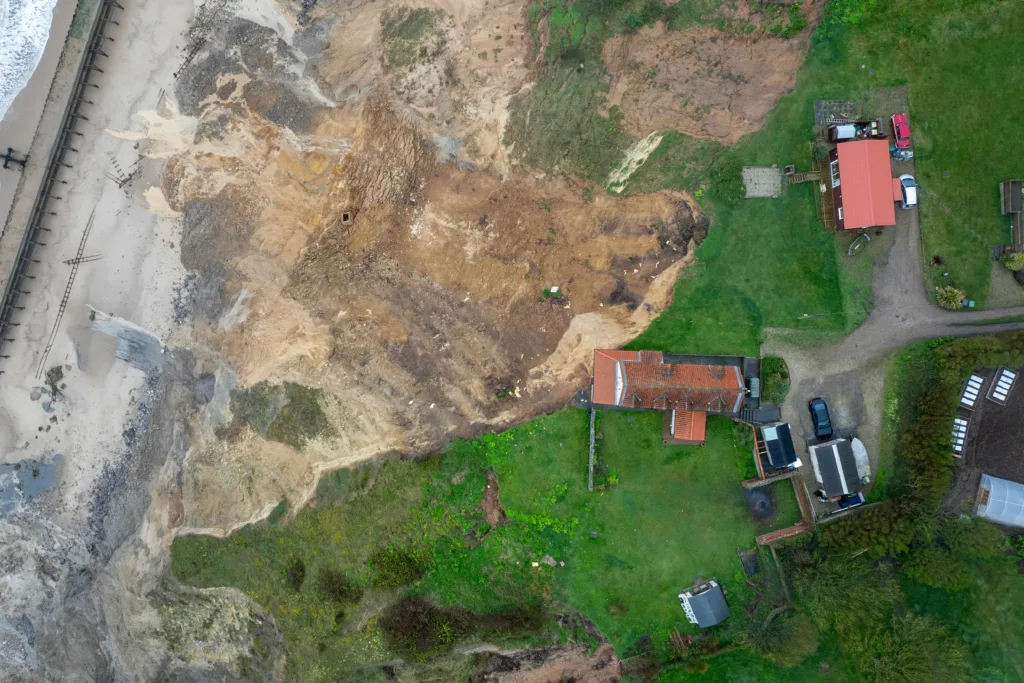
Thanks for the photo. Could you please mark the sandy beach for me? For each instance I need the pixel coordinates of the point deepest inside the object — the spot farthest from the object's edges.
(133, 281)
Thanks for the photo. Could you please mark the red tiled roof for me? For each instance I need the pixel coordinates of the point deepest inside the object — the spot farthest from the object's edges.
(865, 178)
(604, 373)
(689, 425)
(649, 382)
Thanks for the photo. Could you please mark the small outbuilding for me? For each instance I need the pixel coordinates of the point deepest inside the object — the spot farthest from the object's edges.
(1001, 501)
(705, 604)
(775, 447)
(836, 468)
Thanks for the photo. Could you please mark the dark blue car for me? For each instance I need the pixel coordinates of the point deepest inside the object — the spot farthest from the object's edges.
(820, 418)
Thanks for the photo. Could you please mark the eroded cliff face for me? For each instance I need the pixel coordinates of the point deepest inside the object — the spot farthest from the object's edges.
(354, 226)
(356, 237)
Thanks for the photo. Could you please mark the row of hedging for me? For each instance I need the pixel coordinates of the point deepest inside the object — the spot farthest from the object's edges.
(923, 453)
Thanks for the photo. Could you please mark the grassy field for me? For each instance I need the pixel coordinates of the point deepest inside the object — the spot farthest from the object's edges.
(675, 513)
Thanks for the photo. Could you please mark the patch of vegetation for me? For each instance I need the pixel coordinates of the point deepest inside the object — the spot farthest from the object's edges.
(255, 407)
(1013, 261)
(404, 32)
(416, 629)
(395, 567)
(289, 413)
(295, 574)
(335, 586)
(780, 20)
(774, 380)
(279, 512)
(301, 418)
(840, 14)
(950, 298)
(557, 125)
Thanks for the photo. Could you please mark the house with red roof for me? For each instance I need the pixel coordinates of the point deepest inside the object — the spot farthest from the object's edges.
(687, 391)
(864, 190)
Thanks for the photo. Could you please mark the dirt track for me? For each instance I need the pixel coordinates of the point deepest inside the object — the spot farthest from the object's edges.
(850, 373)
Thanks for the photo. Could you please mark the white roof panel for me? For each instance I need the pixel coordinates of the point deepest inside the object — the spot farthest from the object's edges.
(1005, 503)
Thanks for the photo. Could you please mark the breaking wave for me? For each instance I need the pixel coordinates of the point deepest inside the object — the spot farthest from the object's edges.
(24, 27)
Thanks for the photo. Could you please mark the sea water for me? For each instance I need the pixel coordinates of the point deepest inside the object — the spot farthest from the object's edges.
(24, 27)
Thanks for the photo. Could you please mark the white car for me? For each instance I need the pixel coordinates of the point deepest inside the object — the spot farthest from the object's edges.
(908, 189)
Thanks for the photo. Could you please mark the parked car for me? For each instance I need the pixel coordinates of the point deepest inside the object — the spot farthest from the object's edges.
(850, 501)
(908, 189)
(901, 130)
(820, 418)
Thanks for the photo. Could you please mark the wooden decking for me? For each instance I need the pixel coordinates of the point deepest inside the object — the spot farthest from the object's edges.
(1011, 205)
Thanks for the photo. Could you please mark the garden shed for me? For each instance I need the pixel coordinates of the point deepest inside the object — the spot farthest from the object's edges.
(705, 604)
(1001, 501)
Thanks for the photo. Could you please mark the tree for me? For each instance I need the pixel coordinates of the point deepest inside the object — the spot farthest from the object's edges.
(800, 643)
(937, 567)
(1013, 261)
(911, 649)
(950, 298)
(842, 595)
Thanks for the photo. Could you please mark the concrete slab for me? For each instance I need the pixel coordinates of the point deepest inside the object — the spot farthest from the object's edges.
(762, 182)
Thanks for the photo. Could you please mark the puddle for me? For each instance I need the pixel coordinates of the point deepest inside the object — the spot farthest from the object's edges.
(22, 481)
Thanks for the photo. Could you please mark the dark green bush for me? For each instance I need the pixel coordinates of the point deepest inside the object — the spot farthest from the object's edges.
(632, 21)
(393, 567)
(419, 630)
(295, 574)
(727, 181)
(336, 586)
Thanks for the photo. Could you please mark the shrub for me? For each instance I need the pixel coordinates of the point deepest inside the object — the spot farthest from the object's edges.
(801, 642)
(1013, 261)
(394, 567)
(950, 298)
(774, 380)
(295, 574)
(632, 21)
(843, 595)
(727, 181)
(419, 630)
(911, 648)
(336, 586)
(937, 567)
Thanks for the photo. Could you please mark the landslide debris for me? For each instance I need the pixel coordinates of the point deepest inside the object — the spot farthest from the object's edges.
(706, 81)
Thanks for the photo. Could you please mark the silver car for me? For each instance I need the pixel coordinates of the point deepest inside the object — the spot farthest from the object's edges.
(909, 191)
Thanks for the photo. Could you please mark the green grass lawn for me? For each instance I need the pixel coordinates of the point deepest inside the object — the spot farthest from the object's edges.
(676, 513)
(742, 666)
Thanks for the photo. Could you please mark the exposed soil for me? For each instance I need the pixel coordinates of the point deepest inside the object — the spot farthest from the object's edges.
(993, 447)
(703, 81)
(491, 502)
(361, 252)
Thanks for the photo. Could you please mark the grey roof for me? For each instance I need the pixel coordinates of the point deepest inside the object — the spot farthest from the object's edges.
(709, 607)
(779, 442)
(836, 468)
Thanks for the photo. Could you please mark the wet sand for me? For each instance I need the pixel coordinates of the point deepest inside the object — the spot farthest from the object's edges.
(19, 124)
